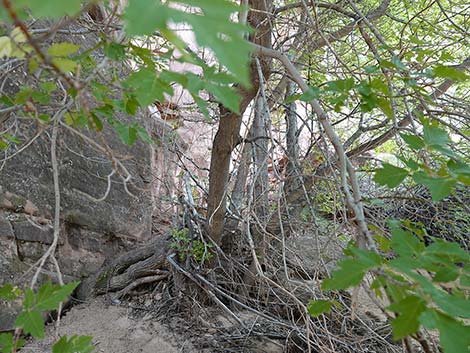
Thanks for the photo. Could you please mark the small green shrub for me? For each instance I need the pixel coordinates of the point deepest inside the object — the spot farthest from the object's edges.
(192, 248)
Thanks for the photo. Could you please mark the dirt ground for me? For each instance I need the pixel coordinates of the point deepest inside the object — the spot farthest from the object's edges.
(121, 329)
(114, 330)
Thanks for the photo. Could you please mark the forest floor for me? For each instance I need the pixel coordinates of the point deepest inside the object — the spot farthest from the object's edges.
(134, 326)
(115, 329)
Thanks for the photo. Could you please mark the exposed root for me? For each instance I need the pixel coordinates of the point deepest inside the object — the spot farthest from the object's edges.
(273, 306)
(121, 272)
(138, 282)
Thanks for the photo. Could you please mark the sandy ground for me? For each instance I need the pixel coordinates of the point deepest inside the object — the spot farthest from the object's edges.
(113, 331)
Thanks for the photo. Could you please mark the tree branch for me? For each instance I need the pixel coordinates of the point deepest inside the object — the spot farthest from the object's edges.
(353, 196)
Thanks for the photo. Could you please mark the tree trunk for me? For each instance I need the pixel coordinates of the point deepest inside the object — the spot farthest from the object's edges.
(260, 147)
(239, 187)
(292, 144)
(227, 136)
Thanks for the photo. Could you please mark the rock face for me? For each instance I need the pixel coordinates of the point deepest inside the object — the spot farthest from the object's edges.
(81, 251)
(90, 230)
(27, 185)
(101, 214)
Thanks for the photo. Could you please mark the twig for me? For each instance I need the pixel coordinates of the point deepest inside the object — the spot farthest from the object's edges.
(55, 172)
(171, 260)
(353, 200)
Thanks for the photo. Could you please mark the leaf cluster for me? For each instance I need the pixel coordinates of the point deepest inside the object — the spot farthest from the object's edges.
(427, 286)
(31, 318)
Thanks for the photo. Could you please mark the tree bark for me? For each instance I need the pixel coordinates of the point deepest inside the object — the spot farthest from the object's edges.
(260, 158)
(227, 136)
(292, 144)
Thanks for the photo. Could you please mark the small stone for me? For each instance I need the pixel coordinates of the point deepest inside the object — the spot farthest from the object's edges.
(31, 208)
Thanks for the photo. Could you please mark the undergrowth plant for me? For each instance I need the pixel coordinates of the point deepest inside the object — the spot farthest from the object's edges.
(427, 286)
(67, 69)
(192, 248)
(35, 306)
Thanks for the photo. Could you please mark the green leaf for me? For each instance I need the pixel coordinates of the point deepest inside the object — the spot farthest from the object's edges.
(319, 306)
(383, 243)
(225, 95)
(70, 119)
(98, 125)
(9, 292)
(454, 336)
(450, 303)
(65, 65)
(12, 139)
(342, 86)
(143, 54)
(410, 163)
(413, 141)
(390, 175)
(143, 134)
(405, 243)
(367, 258)
(29, 299)
(23, 95)
(446, 274)
(380, 85)
(144, 16)
(48, 87)
(398, 64)
(105, 111)
(127, 133)
(407, 322)
(40, 97)
(224, 38)
(364, 88)
(6, 343)
(5, 47)
(309, 95)
(452, 251)
(224, 47)
(465, 276)
(31, 322)
(131, 105)
(75, 344)
(62, 49)
(439, 187)
(18, 36)
(371, 69)
(369, 100)
(446, 151)
(147, 87)
(386, 106)
(115, 51)
(350, 274)
(49, 296)
(292, 98)
(434, 135)
(50, 8)
(459, 168)
(450, 73)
